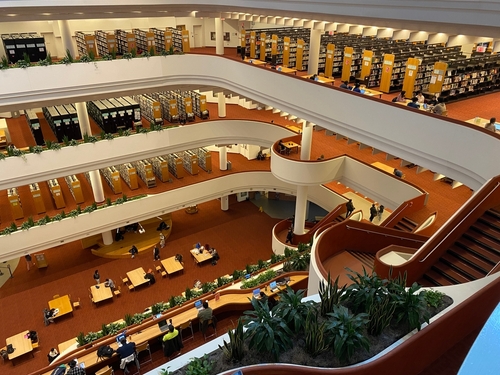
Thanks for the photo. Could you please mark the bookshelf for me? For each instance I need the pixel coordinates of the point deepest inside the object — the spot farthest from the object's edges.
(160, 168)
(204, 158)
(150, 108)
(125, 41)
(145, 40)
(145, 170)
(85, 43)
(175, 166)
(190, 162)
(75, 131)
(15, 203)
(75, 188)
(36, 194)
(199, 104)
(16, 45)
(55, 121)
(105, 42)
(34, 124)
(56, 193)
(129, 175)
(112, 177)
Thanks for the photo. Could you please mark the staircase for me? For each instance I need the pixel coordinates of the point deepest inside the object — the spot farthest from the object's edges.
(406, 225)
(366, 259)
(339, 219)
(471, 257)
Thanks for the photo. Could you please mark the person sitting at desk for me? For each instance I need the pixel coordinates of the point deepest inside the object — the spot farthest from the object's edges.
(172, 332)
(400, 97)
(357, 88)
(420, 97)
(178, 258)
(119, 235)
(440, 108)
(74, 369)
(313, 77)
(282, 147)
(171, 341)
(434, 100)
(48, 316)
(150, 277)
(126, 351)
(397, 173)
(345, 85)
(133, 250)
(53, 354)
(110, 284)
(491, 125)
(206, 313)
(413, 103)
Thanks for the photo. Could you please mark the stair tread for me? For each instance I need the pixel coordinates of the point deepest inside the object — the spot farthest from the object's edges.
(479, 250)
(437, 278)
(492, 245)
(409, 221)
(457, 263)
(398, 226)
(490, 220)
(450, 272)
(470, 257)
(493, 212)
(486, 229)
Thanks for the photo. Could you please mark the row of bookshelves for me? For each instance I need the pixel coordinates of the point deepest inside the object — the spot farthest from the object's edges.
(17, 46)
(63, 120)
(75, 188)
(34, 124)
(145, 170)
(115, 113)
(112, 177)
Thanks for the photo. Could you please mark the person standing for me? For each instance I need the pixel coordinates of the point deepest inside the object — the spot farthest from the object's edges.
(97, 277)
(350, 208)
(289, 236)
(156, 253)
(29, 261)
(380, 212)
(373, 212)
(162, 240)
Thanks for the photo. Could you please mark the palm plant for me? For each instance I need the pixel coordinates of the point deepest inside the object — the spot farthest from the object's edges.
(292, 310)
(233, 349)
(330, 295)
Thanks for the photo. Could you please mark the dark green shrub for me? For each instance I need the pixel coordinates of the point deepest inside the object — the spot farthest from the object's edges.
(233, 350)
(330, 295)
(381, 315)
(411, 307)
(128, 320)
(364, 291)
(292, 310)
(433, 298)
(188, 293)
(172, 302)
(199, 366)
(316, 340)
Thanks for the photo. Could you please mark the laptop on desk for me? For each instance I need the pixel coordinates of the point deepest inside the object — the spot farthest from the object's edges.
(198, 304)
(163, 325)
(120, 337)
(497, 126)
(273, 286)
(256, 293)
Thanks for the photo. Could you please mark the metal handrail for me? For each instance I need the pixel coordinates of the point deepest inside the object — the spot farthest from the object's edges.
(384, 234)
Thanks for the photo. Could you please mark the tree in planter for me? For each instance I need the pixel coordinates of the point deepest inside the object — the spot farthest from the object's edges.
(346, 331)
(330, 295)
(267, 333)
(199, 366)
(292, 310)
(365, 290)
(233, 350)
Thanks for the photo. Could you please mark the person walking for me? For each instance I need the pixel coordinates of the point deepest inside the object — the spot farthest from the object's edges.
(162, 240)
(156, 253)
(380, 212)
(289, 236)
(350, 208)
(373, 212)
(97, 277)
(29, 261)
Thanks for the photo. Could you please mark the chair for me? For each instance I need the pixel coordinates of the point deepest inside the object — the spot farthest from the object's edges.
(124, 280)
(56, 296)
(141, 348)
(125, 361)
(182, 327)
(105, 371)
(172, 346)
(158, 269)
(445, 113)
(76, 303)
(117, 291)
(91, 299)
(130, 287)
(206, 324)
(163, 274)
(3, 354)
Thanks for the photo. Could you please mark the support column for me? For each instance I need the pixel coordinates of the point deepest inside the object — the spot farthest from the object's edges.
(306, 143)
(223, 158)
(314, 46)
(66, 39)
(95, 178)
(224, 203)
(219, 37)
(300, 210)
(221, 104)
(107, 237)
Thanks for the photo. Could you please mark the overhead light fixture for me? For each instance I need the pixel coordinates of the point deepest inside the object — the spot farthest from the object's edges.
(79, 13)
(46, 14)
(109, 12)
(136, 11)
(11, 15)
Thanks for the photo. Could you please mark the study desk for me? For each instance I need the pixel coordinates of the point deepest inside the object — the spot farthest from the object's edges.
(294, 128)
(136, 277)
(479, 121)
(421, 106)
(200, 258)
(372, 92)
(227, 298)
(21, 343)
(171, 265)
(384, 167)
(63, 304)
(100, 294)
(320, 79)
(255, 62)
(290, 146)
(286, 70)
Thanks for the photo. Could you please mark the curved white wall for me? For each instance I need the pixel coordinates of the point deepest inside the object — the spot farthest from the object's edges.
(425, 140)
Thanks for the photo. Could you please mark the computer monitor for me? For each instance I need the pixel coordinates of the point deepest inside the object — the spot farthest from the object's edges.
(121, 336)
(198, 245)
(279, 69)
(273, 285)
(497, 126)
(316, 78)
(158, 316)
(256, 293)
(247, 276)
(198, 304)
(362, 91)
(425, 105)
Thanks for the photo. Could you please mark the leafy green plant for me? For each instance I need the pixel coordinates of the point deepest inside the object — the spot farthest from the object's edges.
(133, 52)
(66, 140)
(365, 290)
(433, 298)
(80, 339)
(237, 274)
(165, 371)
(48, 143)
(59, 216)
(329, 295)
(128, 320)
(127, 56)
(316, 341)
(85, 59)
(52, 145)
(411, 307)
(68, 58)
(156, 127)
(108, 136)
(233, 350)
(124, 197)
(221, 281)
(44, 220)
(261, 264)
(199, 366)
(73, 142)
(172, 302)
(188, 293)
(152, 51)
(89, 138)
(28, 224)
(137, 318)
(119, 201)
(291, 308)
(127, 132)
(157, 308)
(107, 57)
(113, 53)
(300, 262)
(108, 202)
(104, 329)
(36, 149)
(267, 333)
(2, 156)
(25, 62)
(89, 209)
(143, 130)
(179, 300)
(146, 54)
(381, 315)
(4, 63)
(346, 331)
(73, 213)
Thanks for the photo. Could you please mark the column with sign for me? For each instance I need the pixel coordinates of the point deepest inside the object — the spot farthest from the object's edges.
(410, 76)
(346, 64)
(330, 52)
(437, 77)
(262, 56)
(131, 44)
(185, 41)
(252, 45)
(168, 40)
(150, 38)
(366, 66)
(111, 42)
(386, 76)
(157, 112)
(286, 51)
(173, 110)
(90, 44)
(299, 54)
(274, 47)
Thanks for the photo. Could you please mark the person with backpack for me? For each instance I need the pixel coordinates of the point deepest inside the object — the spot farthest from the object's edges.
(74, 369)
(373, 212)
(380, 212)
(60, 370)
(350, 208)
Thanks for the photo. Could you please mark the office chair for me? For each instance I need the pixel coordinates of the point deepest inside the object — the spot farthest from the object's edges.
(184, 326)
(141, 348)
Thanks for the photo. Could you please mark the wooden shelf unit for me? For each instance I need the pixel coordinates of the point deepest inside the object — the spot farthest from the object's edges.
(112, 177)
(204, 158)
(199, 103)
(145, 170)
(150, 108)
(175, 165)
(15, 203)
(129, 175)
(55, 121)
(190, 162)
(56, 193)
(16, 45)
(160, 168)
(169, 107)
(34, 124)
(125, 41)
(85, 43)
(145, 40)
(106, 43)
(36, 193)
(75, 188)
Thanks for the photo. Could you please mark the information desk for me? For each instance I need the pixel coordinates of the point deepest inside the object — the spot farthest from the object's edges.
(227, 297)
(21, 343)
(63, 304)
(255, 62)
(200, 258)
(171, 265)
(136, 277)
(320, 79)
(100, 294)
(291, 146)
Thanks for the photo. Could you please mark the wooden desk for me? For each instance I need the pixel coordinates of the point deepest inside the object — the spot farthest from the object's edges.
(291, 146)
(200, 258)
(320, 79)
(101, 294)
(21, 343)
(479, 121)
(171, 265)
(421, 106)
(3, 139)
(286, 70)
(372, 93)
(63, 304)
(294, 128)
(255, 62)
(384, 167)
(136, 277)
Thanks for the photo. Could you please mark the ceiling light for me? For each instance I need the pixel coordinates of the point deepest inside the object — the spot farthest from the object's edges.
(46, 14)
(109, 12)
(11, 15)
(136, 11)
(79, 13)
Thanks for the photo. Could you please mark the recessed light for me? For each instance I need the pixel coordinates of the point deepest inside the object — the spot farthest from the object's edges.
(11, 15)
(136, 11)
(109, 12)
(163, 11)
(80, 13)
(46, 14)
